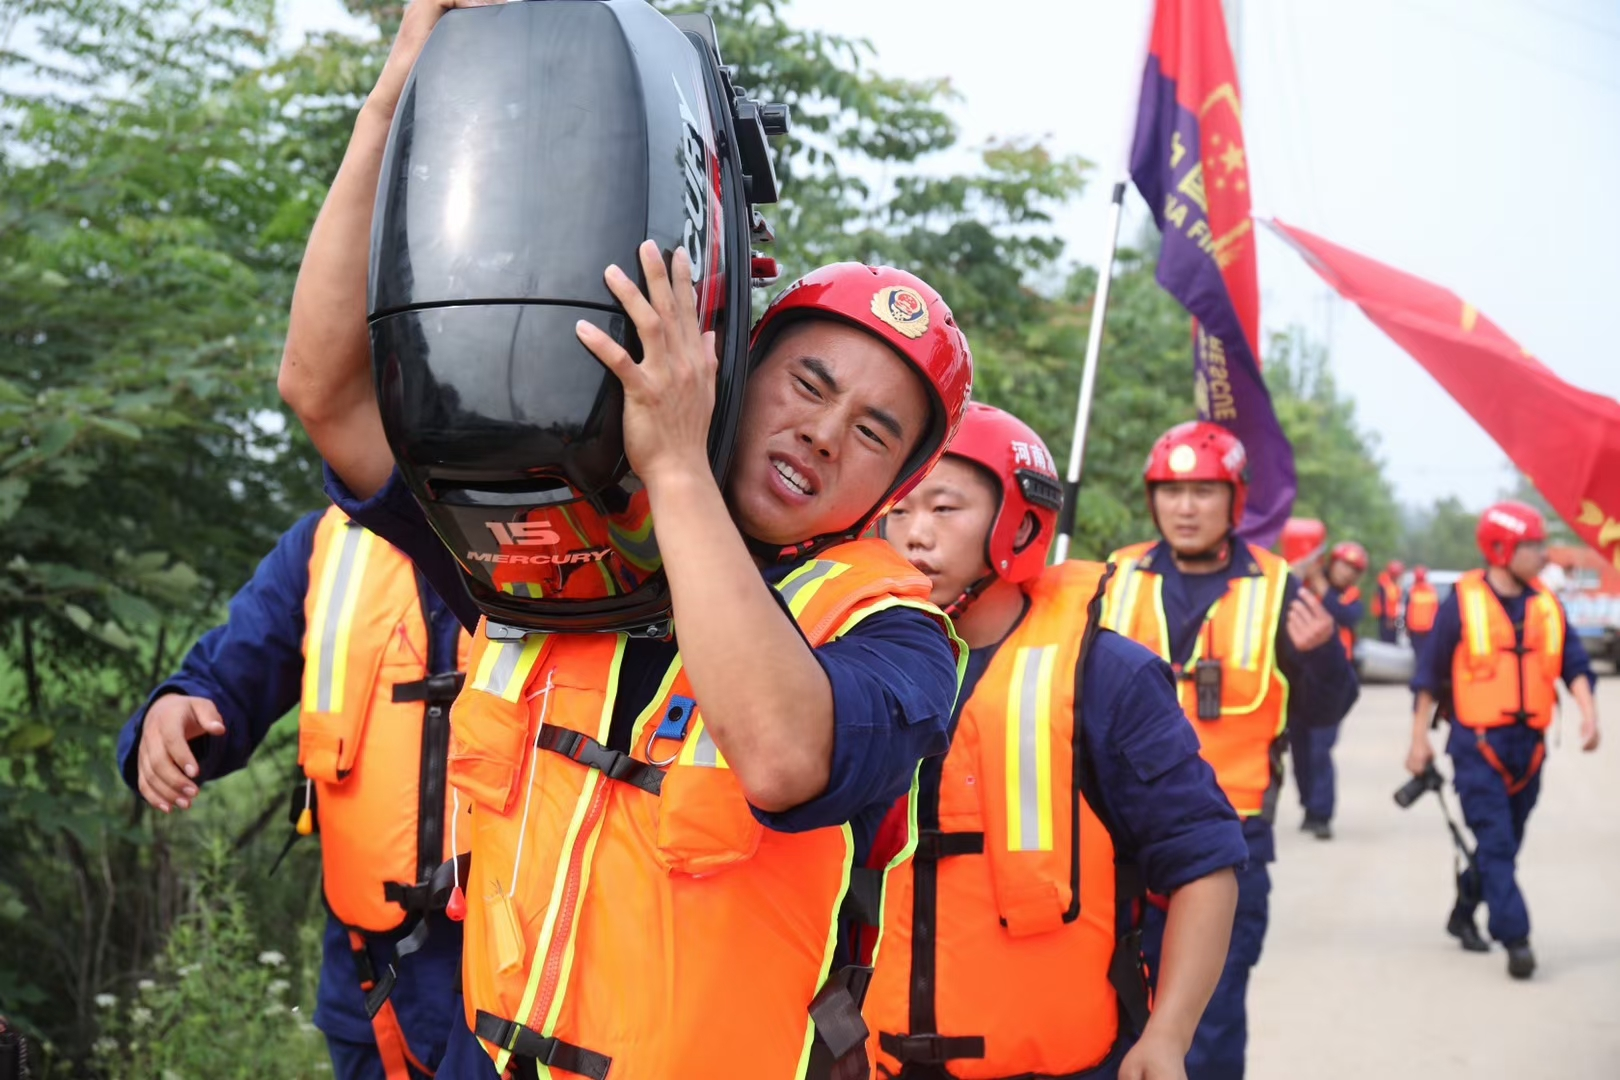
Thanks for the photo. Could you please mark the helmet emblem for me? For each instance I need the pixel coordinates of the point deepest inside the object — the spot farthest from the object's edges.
(902, 308)
(1183, 459)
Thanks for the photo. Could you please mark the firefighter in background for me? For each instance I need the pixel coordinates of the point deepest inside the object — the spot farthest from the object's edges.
(1500, 645)
(1422, 606)
(1249, 648)
(1335, 581)
(336, 618)
(1386, 601)
(989, 907)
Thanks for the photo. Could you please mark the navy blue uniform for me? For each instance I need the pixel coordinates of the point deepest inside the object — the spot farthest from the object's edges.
(1312, 746)
(1157, 797)
(893, 681)
(252, 669)
(1496, 818)
(1322, 688)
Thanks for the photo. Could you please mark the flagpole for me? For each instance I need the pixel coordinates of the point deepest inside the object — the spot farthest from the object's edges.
(1088, 379)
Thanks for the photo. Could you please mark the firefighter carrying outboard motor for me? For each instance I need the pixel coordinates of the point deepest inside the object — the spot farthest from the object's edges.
(555, 353)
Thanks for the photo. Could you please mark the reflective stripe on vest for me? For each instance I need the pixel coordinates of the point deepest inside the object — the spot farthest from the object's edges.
(375, 759)
(326, 664)
(592, 900)
(1493, 683)
(1029, 749)
(1004, 897)
(1240, 629)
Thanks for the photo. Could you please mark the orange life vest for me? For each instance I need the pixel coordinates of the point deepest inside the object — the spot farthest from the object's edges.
(1493, 683)
(1347, 634)
(1422, 603)
(627, 909)
(1387, 598)
(1000, 935)
(1244, 745)
(373, 737)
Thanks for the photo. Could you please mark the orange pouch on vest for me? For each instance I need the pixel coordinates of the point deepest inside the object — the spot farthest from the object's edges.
(329, 743)
(1029, 905)
(704, 822)
(488, 742)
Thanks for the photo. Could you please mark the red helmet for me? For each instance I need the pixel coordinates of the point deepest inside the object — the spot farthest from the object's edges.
(1303, 539)
(1010, 451)
(1420, 574)
(1503, 527)
(909, 316)
(1200, 450)
(1351, 554)
(1395, 568)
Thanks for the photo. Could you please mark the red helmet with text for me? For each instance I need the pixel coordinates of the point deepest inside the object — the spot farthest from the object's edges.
(1503, 527)
(1351, 554)
(906, 314)
(1303, 539)
(1200, 450)
(1010, 451)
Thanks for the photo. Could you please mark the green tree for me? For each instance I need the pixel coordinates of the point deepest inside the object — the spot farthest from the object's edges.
(154, 197)
(1440, 537)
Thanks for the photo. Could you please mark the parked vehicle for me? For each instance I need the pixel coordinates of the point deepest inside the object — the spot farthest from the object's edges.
(1590, 592)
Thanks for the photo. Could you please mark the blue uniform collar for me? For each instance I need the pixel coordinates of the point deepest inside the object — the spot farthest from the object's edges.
(1159, 558)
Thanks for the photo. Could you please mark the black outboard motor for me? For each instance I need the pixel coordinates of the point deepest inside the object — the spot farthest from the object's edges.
(534, 144)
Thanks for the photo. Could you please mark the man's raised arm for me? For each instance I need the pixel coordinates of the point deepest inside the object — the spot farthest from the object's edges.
(326, 366)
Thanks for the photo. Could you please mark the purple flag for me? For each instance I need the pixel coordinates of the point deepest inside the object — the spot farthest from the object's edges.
(1189, 163)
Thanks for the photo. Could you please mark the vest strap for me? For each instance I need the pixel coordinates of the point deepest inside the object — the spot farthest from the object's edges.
(863, 900)
(613, 764)
(432, 894)
(839, 1051)
(524, 1042)
(1514, 786)
(931, 1049)
(1126, 971)
(440, 689)
(933, 845)
(392, 1048)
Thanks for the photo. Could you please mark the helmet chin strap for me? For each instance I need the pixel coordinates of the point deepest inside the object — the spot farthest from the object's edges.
(956, 608)
(1216, 555)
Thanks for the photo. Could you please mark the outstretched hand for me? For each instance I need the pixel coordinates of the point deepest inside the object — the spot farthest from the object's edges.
(669, 396)
(166, 769)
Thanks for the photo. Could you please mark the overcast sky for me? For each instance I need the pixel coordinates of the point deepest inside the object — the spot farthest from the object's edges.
(1472, 142)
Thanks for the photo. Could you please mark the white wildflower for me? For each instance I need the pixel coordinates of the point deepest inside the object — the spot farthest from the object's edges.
(277, 987)
(106, 1001)
(170, 1074)
(271, 958)
(186, 969)
(140, 1016)
(105, 1046)
(146, 986)
(275, 1008)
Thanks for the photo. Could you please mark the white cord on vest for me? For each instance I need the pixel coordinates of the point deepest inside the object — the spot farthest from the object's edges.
(528, 796)
(455, 848)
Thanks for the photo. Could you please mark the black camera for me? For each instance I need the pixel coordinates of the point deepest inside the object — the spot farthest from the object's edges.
(1415, 788)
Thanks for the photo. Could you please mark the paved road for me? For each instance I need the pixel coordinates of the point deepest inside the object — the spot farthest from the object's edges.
(1359, 978)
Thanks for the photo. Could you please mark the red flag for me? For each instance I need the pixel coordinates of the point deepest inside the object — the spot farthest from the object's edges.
(1565, 439)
